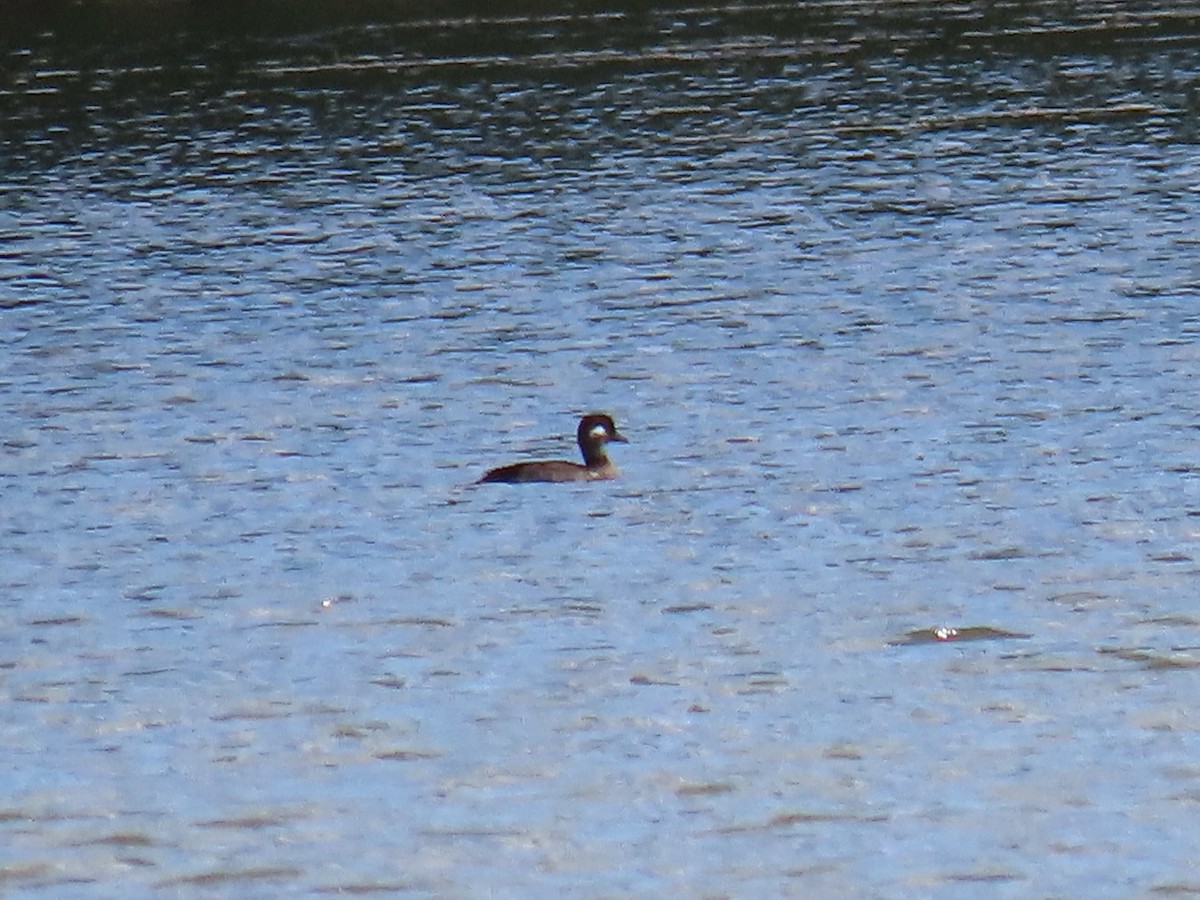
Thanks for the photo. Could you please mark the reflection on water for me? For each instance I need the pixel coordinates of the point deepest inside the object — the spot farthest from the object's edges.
(898, 302)
(532, 84)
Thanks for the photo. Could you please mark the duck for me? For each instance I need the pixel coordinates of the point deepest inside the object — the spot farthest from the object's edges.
(595, 430)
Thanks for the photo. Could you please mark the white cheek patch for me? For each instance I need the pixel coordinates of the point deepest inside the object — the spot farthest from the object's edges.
(598, 431)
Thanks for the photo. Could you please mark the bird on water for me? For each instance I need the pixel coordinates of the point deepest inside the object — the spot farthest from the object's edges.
(595, 430)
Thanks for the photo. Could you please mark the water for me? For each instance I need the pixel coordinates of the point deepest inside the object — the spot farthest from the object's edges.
(897, 309)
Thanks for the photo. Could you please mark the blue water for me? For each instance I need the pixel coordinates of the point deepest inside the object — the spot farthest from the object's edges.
(901, 341)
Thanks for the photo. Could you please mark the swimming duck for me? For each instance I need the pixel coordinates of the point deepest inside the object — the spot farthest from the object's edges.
(595, 430)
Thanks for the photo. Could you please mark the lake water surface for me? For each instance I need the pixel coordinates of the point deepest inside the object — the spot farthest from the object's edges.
(898, 306)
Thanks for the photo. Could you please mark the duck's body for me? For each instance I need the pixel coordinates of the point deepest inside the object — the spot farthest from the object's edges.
(595, 430)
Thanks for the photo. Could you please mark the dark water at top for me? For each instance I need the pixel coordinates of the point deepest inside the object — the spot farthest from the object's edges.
(896, 303)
